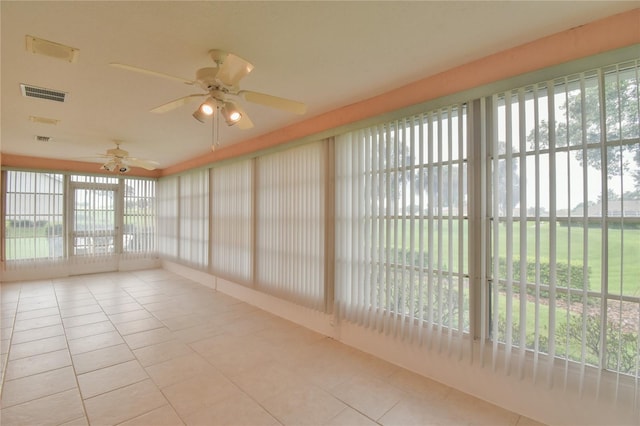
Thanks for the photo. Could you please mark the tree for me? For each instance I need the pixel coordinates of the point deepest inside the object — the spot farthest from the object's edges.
(580, 121)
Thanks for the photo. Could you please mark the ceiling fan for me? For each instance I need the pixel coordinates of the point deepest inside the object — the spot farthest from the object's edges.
(220, 84)
(118, 160)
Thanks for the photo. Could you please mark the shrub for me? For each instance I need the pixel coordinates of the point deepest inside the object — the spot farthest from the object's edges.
(568, 275)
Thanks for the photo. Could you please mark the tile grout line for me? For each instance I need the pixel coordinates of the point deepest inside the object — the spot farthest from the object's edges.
(64, 329)
(6, 364)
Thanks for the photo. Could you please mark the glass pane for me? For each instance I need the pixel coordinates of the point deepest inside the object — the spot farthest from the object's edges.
(623, 324)
(623, 254)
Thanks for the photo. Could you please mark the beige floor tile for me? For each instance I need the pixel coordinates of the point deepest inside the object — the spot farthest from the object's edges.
(267, 380)
(37, 347)
(163, 416)
(38, 305)
(197, 333)
(178, 369)
(110, 378)
(474, 411)
(118, 309)
(81, 421)
(28, 324)
(37, 364)
(89, 330)
(120, 300)
(77, 302)
(130, 316)
(184, 321)
(5, 333)
(147, 338)
(37, 386)
(194, 394)
(324, 370)
(92, 343)
(37, 334)
(80, 310)
(239, 360)
(84, 319)
(214, 345)
(350, 417)
(101, 358)
(163, 311)
(157, 297)
(137, 326)
(51, 410)
(526, 421)
(414, 411)
(124, 404)
(417, 385)
(371, 396)
(37, 313)
(303, 405)
(240, 411)
(154, 354)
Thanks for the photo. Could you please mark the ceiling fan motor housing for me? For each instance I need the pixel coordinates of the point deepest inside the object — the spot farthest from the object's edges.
(206, 78)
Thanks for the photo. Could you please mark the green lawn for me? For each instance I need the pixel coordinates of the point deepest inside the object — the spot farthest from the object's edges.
(623, 254)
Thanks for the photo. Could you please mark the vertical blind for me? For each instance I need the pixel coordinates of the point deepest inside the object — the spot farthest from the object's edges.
(194, 219)
(401, 221)
(232, 220)
(139, 218)
(168, 209)
(34, 222)
(565, 225)
(290, 222)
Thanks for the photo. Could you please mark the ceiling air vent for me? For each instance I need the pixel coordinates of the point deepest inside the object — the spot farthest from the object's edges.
(52, 49)
(43, 138)
(43, 120)
(42, 93)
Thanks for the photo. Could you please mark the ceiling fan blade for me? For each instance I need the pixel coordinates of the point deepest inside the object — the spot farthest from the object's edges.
(150, 72)
(145, 164)
(233, 69)
(245, 122)
(176, 103)
(273, 101)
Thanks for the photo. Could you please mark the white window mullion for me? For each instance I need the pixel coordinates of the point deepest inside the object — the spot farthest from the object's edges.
(495, 215)
(523, 226)
(508, 170)
(552, 231)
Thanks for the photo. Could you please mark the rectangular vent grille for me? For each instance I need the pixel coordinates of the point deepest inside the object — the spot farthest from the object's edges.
(42, 93)
(43, 120)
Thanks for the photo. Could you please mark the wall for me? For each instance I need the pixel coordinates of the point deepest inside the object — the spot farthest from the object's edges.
(557, 405)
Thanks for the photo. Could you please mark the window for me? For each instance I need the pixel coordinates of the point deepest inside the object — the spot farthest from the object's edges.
(168, 209)
(291, 224)
(232, 220)
(68, 219)
(401, 224)
(565, 173)
(139, 221)
(34, 221)
(194, 218)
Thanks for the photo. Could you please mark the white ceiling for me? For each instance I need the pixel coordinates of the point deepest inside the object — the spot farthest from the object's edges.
(326, 54)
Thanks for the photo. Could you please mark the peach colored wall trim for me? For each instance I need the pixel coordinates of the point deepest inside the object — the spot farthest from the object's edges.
(39, 163)
(610, 33)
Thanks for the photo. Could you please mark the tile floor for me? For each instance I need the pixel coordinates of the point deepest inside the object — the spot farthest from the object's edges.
(153, 348)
